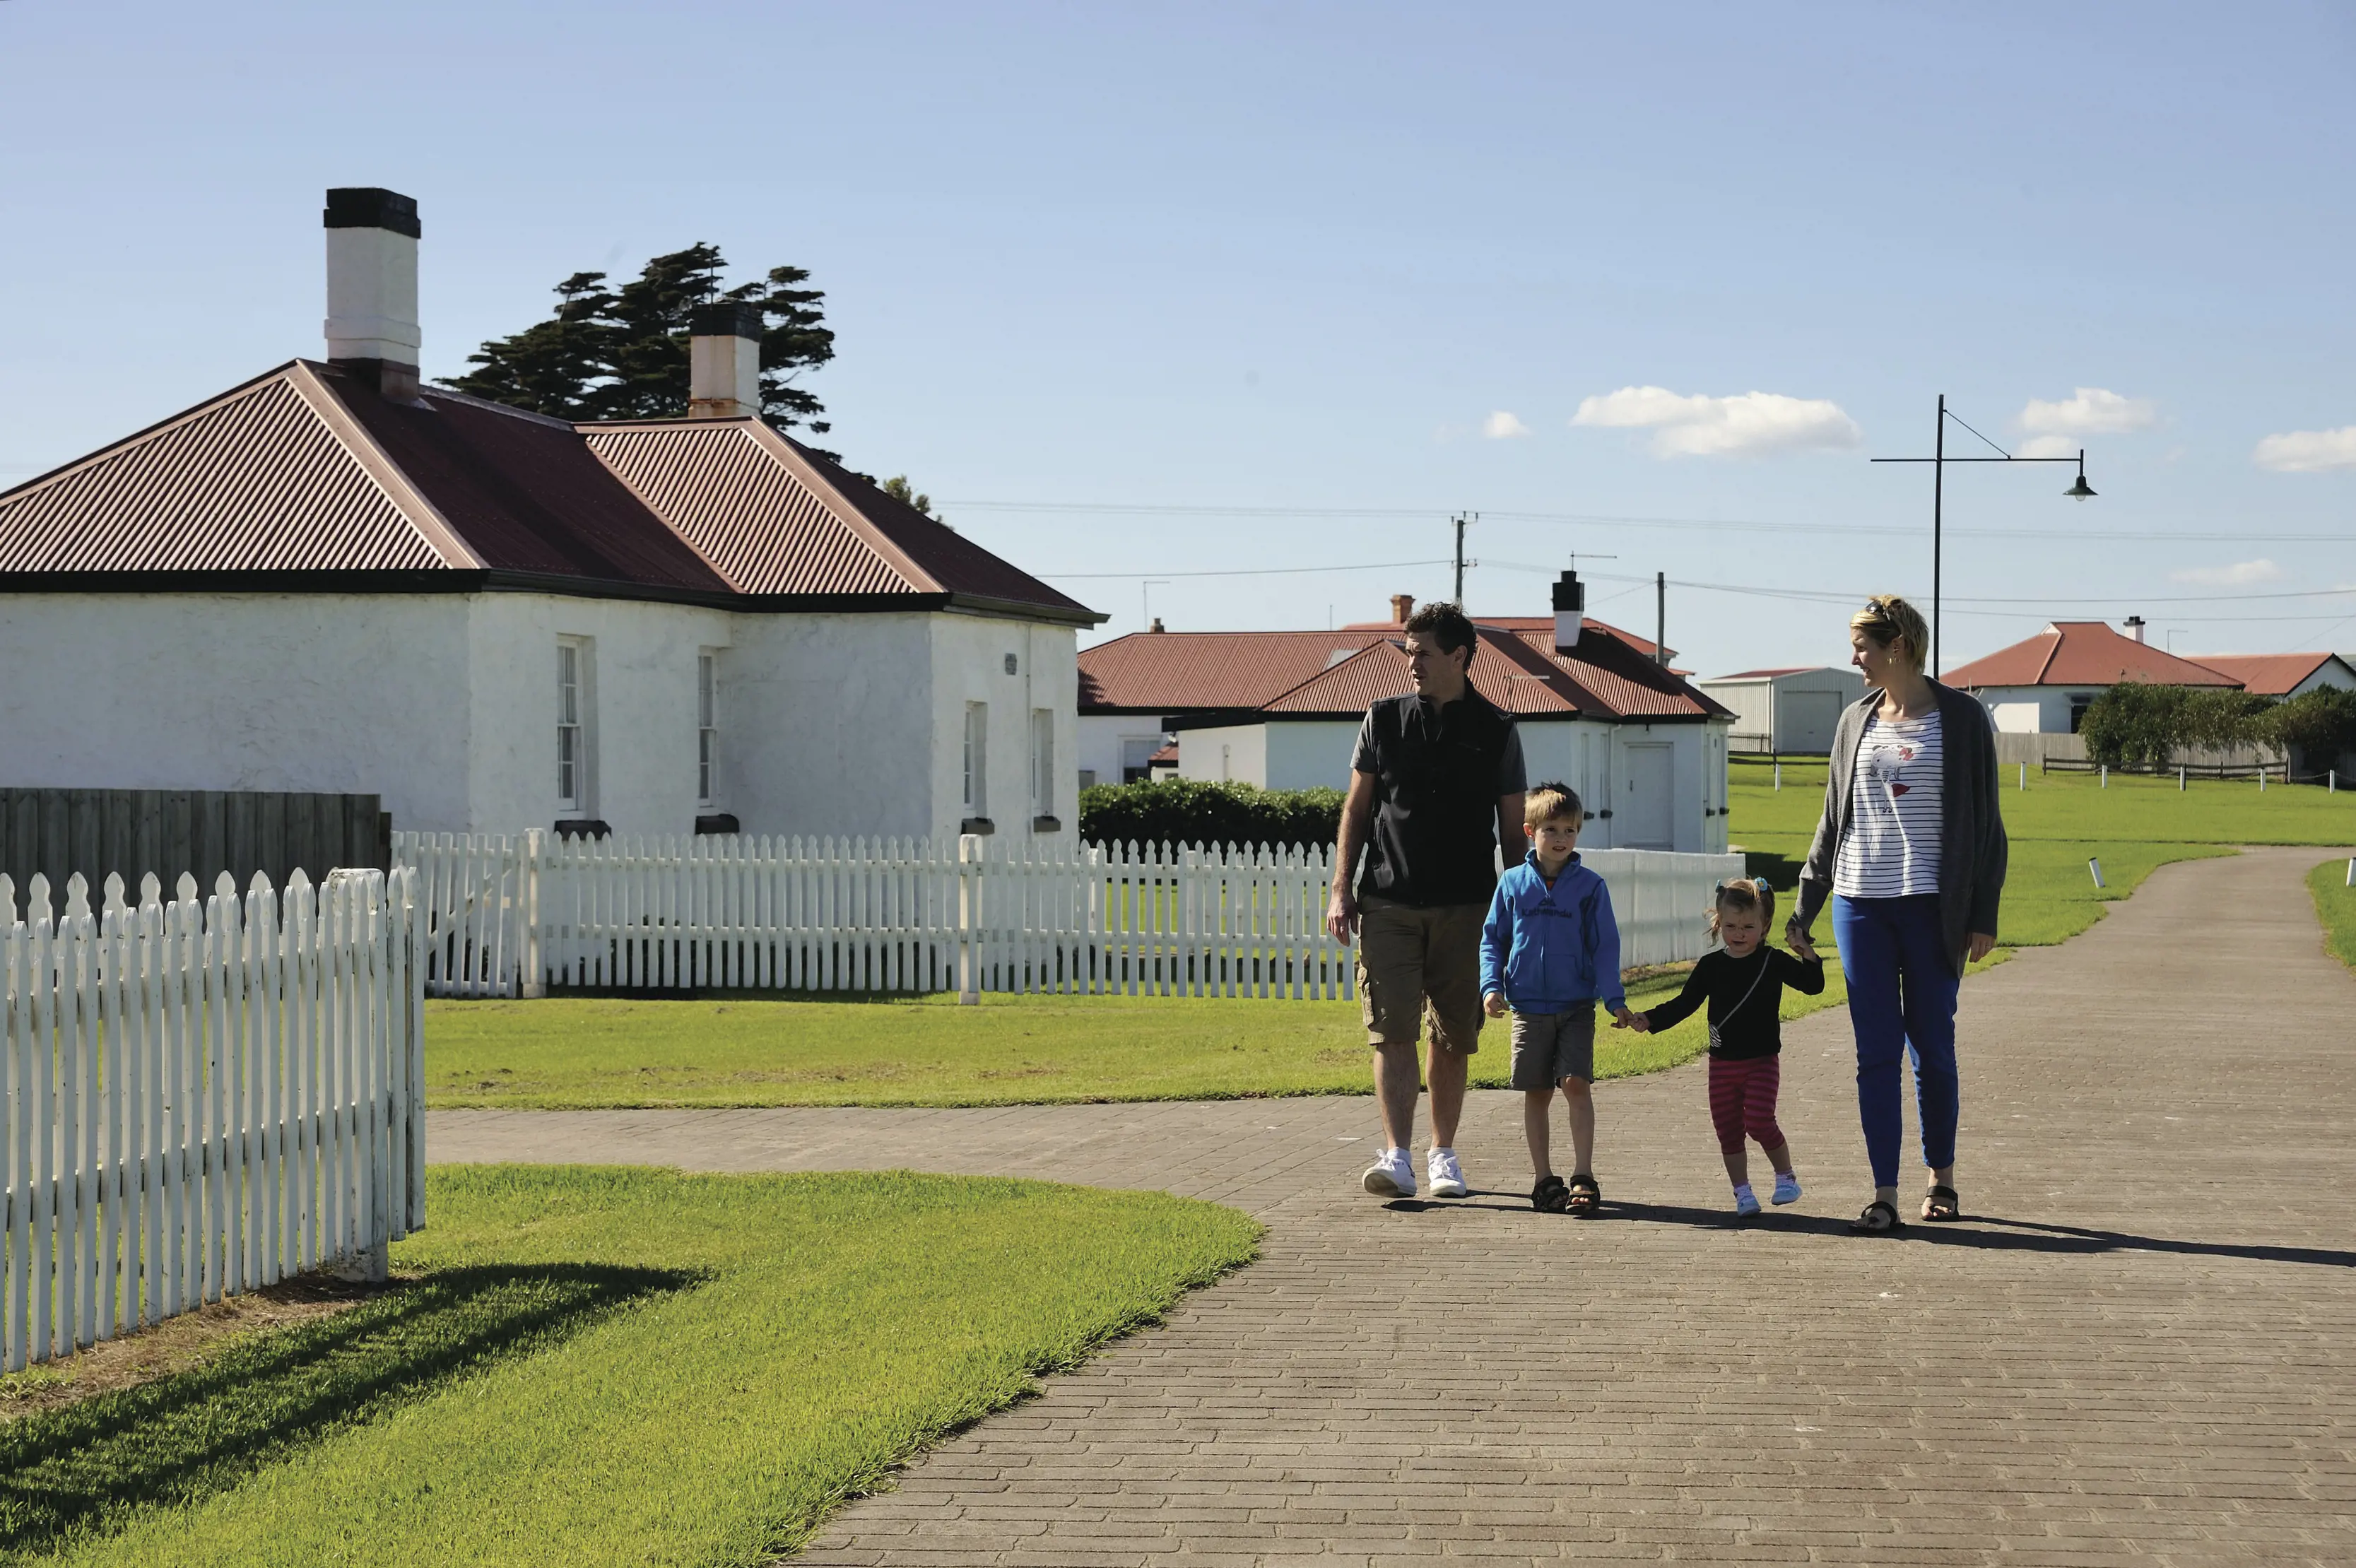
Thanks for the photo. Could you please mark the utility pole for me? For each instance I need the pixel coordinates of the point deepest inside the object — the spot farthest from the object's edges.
(1661, 619)
(1461, 520)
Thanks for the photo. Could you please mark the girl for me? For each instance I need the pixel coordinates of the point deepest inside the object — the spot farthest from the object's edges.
(1743, 984)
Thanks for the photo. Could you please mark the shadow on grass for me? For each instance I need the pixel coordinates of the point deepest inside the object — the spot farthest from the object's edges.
(1983, 1232)
(79, 1470)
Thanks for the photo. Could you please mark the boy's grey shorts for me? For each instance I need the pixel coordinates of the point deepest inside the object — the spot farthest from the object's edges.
(1551, 1046)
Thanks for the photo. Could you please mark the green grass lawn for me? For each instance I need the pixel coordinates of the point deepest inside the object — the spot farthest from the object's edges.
(569, 1052)
(2335, 905)
(609, 1366)
(575, 1052)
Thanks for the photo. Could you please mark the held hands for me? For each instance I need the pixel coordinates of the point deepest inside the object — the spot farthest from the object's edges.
(1796, 938)
(1494, 1005)
(1625, 1017)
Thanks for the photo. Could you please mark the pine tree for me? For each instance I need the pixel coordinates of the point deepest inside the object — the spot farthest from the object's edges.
(621, 353)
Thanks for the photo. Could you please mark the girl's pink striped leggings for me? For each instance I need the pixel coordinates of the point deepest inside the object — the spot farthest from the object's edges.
(1742, 1100)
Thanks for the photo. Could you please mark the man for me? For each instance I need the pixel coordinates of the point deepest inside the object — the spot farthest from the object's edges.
(1435, 789)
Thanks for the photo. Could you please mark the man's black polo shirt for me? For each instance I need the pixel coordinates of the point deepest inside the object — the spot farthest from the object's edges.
(1439, 773)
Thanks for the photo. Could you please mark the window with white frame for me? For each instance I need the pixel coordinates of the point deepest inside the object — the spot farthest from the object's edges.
(1043, 761)
(977, 759)
(571, 730)
(707, 727)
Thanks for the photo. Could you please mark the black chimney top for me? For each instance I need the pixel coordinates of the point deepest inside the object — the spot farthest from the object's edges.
(730, 319)
(366, 207)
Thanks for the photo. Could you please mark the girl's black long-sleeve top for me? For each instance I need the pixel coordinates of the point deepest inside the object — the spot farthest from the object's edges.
(1741, 1029)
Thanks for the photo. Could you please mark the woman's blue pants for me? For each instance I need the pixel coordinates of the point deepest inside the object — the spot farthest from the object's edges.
(1901, 997)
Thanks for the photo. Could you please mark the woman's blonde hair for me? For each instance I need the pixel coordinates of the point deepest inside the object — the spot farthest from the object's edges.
(1742, 895)
(1886, 618)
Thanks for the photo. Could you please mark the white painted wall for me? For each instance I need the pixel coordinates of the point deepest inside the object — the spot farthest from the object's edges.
(2332, 672)
(2034, 709)
(344, 694)
(1101, 736)
(970, 655)
(445, 705)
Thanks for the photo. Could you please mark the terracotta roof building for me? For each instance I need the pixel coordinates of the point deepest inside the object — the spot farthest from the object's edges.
(2044, 684)
(2284, 675)
(1646, 748)
(335, 577)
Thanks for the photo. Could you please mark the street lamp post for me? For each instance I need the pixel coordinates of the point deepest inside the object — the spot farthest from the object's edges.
(1938, 460)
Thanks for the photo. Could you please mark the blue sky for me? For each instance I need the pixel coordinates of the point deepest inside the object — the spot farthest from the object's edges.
(1160, 290)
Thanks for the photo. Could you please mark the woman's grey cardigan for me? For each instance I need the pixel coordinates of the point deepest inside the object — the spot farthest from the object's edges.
(1972, 844)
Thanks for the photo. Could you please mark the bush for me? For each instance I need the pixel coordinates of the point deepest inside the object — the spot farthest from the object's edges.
(2133, 723)
(2223, 720)
(1198, 811)
(2322, 724)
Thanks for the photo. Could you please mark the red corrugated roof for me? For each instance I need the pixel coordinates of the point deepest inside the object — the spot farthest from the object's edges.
(2081, 653)
(1518, 671)
(1179, 672)
(2268, 675)
(257, 479)
(1529, 624)
(1769, 674)
(308, 469)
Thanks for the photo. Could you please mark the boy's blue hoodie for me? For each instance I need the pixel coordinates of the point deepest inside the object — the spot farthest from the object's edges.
(1547, 948)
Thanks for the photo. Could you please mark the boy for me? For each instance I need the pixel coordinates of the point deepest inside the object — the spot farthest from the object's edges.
(1549, 950)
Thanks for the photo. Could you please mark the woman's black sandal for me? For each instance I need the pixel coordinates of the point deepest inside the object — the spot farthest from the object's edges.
(1863, 1224)
(1549, 1196)
(1586, 1198)
(1942, 1205)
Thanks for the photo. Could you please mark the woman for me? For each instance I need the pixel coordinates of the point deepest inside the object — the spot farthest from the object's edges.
(1911, 851)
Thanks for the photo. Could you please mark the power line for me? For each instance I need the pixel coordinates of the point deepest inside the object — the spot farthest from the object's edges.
(1248, 571)
(1589, 520)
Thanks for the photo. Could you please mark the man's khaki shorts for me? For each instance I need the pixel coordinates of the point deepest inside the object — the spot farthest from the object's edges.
(1415, 960)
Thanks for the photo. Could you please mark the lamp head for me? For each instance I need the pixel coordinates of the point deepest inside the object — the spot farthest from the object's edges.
(2080, 491)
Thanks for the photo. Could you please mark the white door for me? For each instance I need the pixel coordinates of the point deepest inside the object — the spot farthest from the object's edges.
(1641, 818)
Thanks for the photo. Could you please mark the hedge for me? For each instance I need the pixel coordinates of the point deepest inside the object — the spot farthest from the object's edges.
(1198, 811)
(2137, 724)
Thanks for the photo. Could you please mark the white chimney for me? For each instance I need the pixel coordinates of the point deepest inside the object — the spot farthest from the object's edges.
(2135, 627)
(372, 287)
(1569, 612)
(724, 362)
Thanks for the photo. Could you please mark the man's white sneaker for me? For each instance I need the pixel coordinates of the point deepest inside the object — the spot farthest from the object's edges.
(1393, 1176)
(1445, 1175)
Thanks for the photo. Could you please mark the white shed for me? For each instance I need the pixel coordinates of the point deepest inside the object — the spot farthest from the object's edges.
(1785, 710)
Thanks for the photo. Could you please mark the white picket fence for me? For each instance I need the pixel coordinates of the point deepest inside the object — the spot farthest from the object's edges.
(202, 1097)
(514, 915)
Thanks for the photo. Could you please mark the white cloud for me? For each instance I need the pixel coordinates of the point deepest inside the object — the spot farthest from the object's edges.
(1750, 425)
(2049, 446)
(2241, 574)
(1501, 424)
(2307, 451)
(2091, 412)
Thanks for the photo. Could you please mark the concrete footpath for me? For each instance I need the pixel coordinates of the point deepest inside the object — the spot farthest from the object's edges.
(2141, 1347)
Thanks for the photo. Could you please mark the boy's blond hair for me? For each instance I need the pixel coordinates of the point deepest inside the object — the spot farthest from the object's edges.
(1548, 801)
(1886, 618)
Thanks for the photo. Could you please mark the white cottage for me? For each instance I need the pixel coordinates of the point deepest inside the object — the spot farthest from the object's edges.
(333, 578)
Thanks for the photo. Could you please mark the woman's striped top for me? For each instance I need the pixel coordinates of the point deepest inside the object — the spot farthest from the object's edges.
(1891, 849)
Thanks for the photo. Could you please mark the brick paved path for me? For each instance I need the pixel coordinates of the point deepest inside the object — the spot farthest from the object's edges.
(2146, 1353)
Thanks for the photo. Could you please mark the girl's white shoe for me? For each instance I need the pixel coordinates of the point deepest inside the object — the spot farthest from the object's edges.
(1787, 1187)
(1746, 1202)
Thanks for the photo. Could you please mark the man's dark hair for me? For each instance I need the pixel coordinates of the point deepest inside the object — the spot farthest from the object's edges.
(1445, 624)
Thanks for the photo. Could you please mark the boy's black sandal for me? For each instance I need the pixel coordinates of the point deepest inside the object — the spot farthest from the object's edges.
(1863, 1225)
(1942, 1205)
(1586, 1198)
(1549, 1196)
